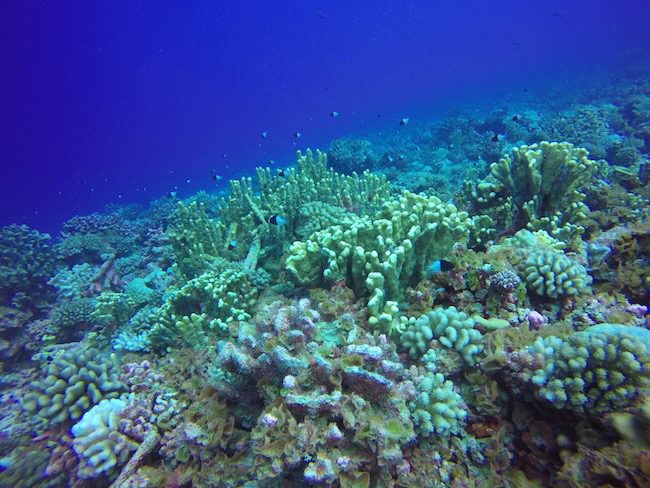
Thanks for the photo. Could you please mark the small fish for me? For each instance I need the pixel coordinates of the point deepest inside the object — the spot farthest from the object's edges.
(297, 135)
(232, 244)
(277, 220)
(216, 177)
(440, 265)
(515, 118)
(281, 173)
(495, 138)
(171, 194)
(403, 121)
(264, 134)
(334, 114)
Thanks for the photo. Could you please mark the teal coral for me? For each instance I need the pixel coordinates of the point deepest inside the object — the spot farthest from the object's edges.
(73, 283)
(73, 312)
(436, 408)
(26, 262)
(601, 369)
(74, 382)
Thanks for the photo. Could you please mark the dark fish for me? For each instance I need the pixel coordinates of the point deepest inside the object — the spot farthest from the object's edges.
(171, 194)
(297, 135)
(495, 138)
(264, 134)
(403, 121)
(281, 173)
(334, 114)
(440, 265)
(515, 118)
(216, 177)
(277, 220)
(232, 244)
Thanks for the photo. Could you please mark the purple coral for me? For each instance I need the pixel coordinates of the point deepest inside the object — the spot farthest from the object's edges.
(505, 281)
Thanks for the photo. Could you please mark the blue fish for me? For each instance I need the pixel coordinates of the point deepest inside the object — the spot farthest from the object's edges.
(277, 220)
(440, 266)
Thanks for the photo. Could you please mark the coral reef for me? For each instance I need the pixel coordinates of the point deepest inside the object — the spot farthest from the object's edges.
(74, 382)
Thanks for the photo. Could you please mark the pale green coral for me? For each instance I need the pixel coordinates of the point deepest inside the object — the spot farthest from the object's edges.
(380, 256)
(206, 305)
(196, 238)
(436, 408)
(537, 187)
(601, 369)
(74, 382)
(453, 329)
(553, 274)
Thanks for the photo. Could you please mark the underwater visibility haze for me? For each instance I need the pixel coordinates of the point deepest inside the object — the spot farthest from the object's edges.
(340, 244)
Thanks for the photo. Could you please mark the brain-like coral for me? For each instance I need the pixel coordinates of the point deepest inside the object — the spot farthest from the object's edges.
(553, 274)
(74, 382)
(452, 328)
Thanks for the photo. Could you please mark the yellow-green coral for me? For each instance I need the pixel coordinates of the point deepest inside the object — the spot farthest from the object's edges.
(380, 256)
(205, 305)
(538, 187)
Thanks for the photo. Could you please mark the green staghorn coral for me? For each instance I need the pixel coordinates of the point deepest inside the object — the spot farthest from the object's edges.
(206, 305)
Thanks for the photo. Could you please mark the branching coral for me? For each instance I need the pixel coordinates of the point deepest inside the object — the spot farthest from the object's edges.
(538, 188)
(26, 263)
(380, 256)
(98, 442)
(453, 329)
(552, 274)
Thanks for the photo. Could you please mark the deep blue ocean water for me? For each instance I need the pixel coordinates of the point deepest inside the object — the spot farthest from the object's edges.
(116, 102)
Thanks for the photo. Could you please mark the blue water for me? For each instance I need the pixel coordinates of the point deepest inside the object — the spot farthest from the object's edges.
(106, 103)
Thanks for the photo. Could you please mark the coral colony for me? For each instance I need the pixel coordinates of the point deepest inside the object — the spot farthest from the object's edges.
(428, 321)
